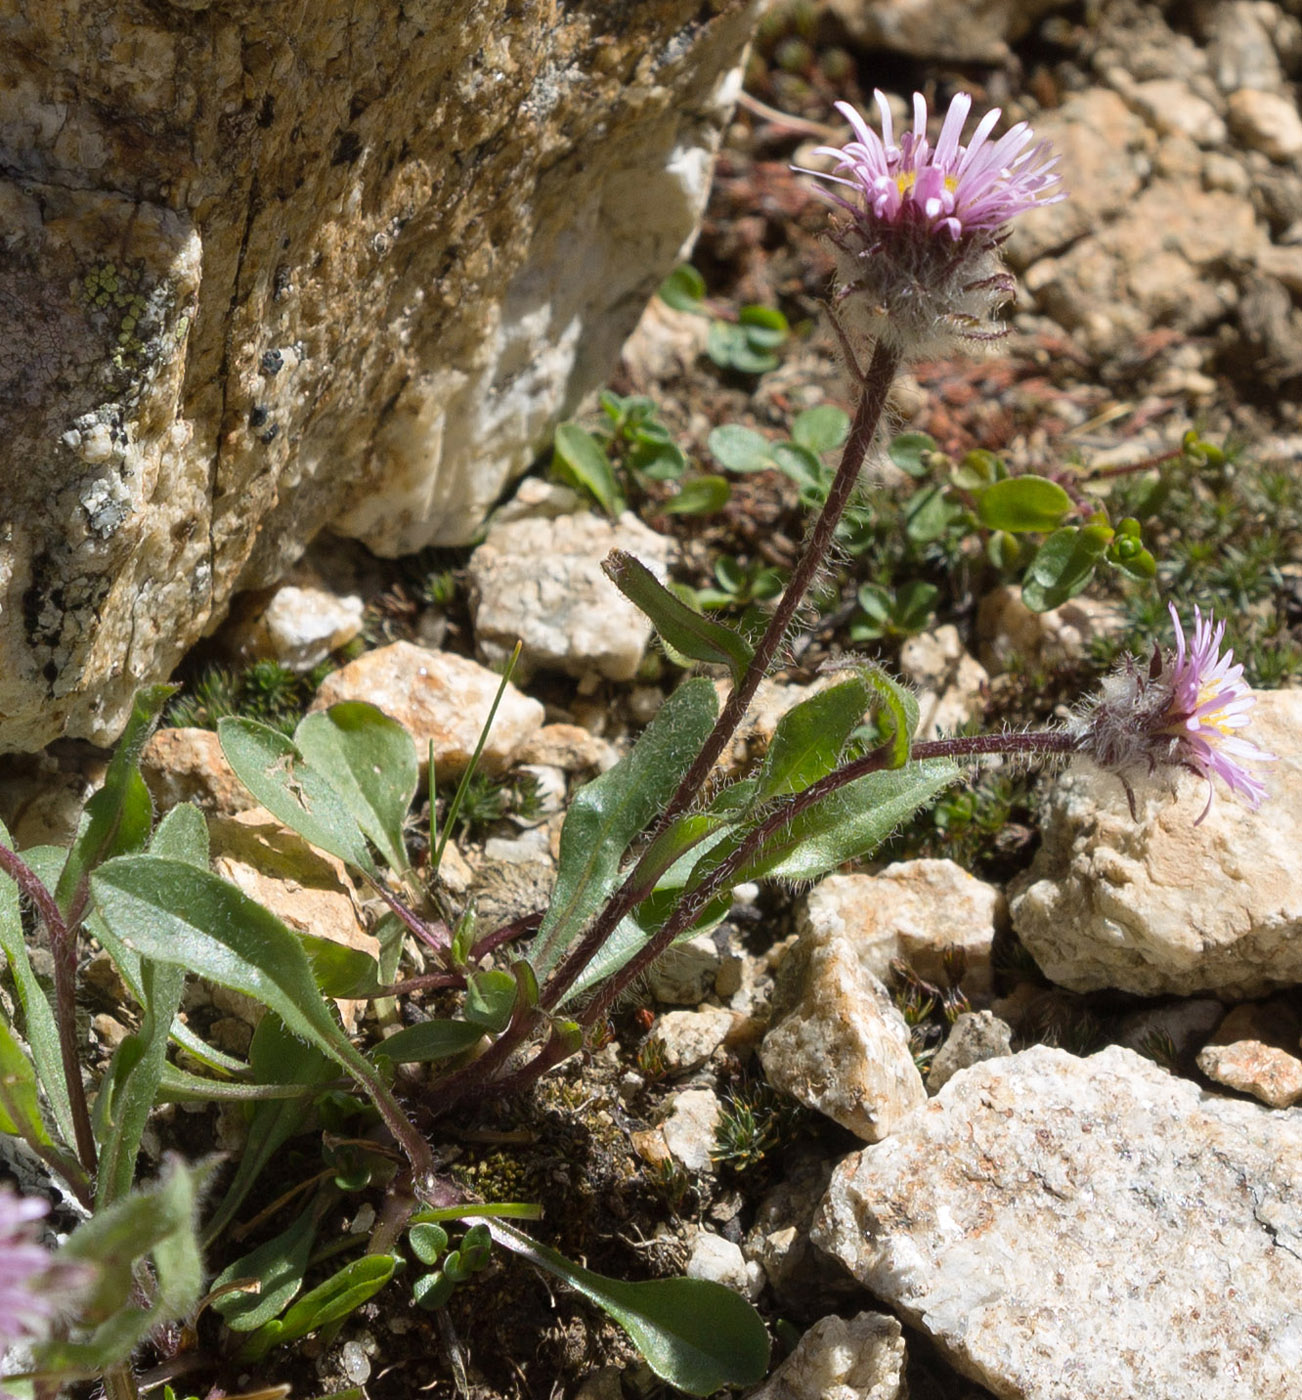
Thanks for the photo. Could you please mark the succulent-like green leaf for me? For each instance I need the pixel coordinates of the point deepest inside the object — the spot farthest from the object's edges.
(699, 495)
(821, 429)
(1064, 565)
(1020, 504)
(740, 449)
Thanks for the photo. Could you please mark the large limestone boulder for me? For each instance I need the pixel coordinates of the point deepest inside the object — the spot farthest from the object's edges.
(268, 269)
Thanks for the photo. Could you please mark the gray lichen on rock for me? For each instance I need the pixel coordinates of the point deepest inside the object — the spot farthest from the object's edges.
(269, 271)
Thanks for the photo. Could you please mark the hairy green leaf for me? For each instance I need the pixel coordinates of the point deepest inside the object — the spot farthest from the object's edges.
(42, 1031)
(370, 761)
(157, 1223)
(342, 1293)
(275, 1057)
(694, 1334)
(579, 460)
(293, 790)
(810, 738)
(611, 810)
(687, 631)
(278, 1265)
(119, 816)
(130, 1088)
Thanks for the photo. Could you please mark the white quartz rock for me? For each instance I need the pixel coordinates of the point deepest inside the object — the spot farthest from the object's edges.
(1086, 1227)
(1158, 905)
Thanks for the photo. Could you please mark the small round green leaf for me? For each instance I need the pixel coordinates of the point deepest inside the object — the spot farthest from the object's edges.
(821, 429)
(428, 1241)
(433, 1290)
(907, 452)
(740, 449)
(1021, 504)
(702, 495)
(683, 288)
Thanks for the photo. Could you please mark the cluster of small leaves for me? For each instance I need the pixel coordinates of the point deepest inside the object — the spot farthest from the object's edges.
(1224, 524)
(265, 691)
(756, 1121)
(633, 451)
(928, 1009)
(486, 800)
(746, 345)
(1025, 523)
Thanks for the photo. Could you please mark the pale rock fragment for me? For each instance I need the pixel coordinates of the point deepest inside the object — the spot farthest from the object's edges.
(1253, 1051)
(1241, 47)
(569, 747)
(1158, 905)
(954, 29)
(187, 765)
(975, 1036)
(1267, 122)
(1173, 109)
(684, 974)
(306, 888)
(688, 1038)
(438, 697)
(1086, 1227)
(539, 579)
(689, 1130)
(300, 626)
(857, 1358)
(922, 912)
(951, 684)
(1008, 629)
(838, 1044)
(721, 1261)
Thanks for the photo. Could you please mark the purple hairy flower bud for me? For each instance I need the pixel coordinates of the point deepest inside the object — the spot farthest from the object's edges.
(1183, 711)
(918, 253)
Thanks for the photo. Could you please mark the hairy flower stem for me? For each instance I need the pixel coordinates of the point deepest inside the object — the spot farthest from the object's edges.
(692, 904)
(875, 384)
(694, 901)
(63, 947)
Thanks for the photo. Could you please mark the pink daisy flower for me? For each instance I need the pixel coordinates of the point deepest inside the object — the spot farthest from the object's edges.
(917, 254)
(1209, 701)
(1185, 710)
(950, 188)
